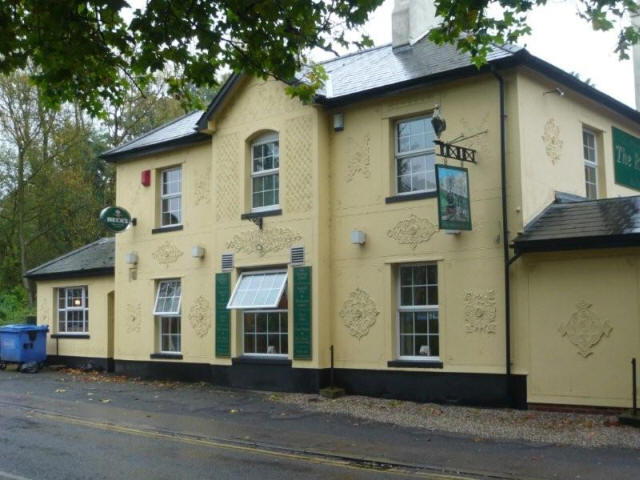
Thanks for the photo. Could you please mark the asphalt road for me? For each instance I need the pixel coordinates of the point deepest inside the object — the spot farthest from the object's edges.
(59, 426)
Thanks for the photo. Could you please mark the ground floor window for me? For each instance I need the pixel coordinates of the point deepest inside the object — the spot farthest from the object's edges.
(167, 313)
(418, 312)
(73, 310)
(266, 332)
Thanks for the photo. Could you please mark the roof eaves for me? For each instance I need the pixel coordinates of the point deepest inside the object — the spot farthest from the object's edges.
(34, 270)
(160, 147)
(90, 272)
(226, 88)
(576, 243)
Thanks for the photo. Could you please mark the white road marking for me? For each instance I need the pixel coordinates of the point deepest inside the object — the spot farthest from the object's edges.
(11, 476)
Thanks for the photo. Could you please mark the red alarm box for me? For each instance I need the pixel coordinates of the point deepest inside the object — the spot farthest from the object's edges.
(145, 178)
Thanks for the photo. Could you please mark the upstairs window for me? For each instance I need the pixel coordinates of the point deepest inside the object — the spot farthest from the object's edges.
(171, 197)
(415, 155)
(590, 155)
(73, 310)
(265, 181)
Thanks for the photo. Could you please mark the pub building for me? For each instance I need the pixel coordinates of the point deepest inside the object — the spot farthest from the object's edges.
(494, 261)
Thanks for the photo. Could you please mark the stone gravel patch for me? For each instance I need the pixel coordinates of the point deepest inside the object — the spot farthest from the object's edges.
(584, 430)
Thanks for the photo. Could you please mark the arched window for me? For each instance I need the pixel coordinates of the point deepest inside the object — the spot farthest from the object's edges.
(265, 182)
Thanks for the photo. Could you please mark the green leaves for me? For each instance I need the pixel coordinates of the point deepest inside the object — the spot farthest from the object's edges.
(88, 52)
(474, 25)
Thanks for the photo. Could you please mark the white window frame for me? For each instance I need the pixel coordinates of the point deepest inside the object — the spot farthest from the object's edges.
(169, 196)
(413, 153)
(160, 315)
(271, 137)
(230, 304)
(589, 163)
(270, 355)
(82, 308)
(413, 309)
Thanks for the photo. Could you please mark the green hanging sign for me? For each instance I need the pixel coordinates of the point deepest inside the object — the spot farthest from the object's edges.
(302, 313)
(115, 219)
(223, 317)
(626, 158)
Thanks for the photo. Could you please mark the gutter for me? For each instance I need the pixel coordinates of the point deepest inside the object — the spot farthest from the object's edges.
(505, 238)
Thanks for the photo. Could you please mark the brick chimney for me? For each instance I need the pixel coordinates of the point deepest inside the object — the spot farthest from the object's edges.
(411, 20)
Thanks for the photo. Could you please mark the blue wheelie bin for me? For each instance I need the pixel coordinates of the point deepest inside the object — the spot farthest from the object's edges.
(23, 343)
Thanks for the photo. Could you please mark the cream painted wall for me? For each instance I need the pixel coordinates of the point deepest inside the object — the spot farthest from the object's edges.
(98, 289)
(608, 282)
(550, 130)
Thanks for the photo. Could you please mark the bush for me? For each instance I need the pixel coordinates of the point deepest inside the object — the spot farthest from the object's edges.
(14, 306)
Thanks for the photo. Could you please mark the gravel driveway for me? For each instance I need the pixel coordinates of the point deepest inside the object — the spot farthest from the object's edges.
(585, 430)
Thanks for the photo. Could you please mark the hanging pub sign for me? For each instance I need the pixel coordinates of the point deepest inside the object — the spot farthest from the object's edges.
(626, 158)
(454, 205)
(115, 219)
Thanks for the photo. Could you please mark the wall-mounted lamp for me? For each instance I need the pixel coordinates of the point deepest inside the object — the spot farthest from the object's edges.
(197, 252)
(358, 237)
(338, 122)
(145, 178)
(556, 90)
(131, 258)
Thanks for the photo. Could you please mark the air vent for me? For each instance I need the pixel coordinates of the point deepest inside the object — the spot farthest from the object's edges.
(227, 262)
(297, 256)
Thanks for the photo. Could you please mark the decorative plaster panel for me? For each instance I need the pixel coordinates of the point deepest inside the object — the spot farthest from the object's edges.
(134, 318)
(585, 329)
(412, 231)
(259, 100)
(167, 253)
(480, 311)
(228, 161)
(298, 164)
(199, 316)
(359, 313)
(552, 142)
(43, 314)
(202, 190)
(267, 240)
(359, 160)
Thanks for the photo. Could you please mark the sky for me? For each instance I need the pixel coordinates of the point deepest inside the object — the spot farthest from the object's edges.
(558, 36)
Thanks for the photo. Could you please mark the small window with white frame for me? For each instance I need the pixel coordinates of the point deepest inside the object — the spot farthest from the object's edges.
(418, 312)
(265, 176)
(590, 155)
(167, 313)
(171, 197)
(414, 155)
(262, 297)
(73, 310)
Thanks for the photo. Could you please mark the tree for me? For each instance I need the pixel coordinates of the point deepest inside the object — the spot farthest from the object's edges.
(88, 52)
(473, 26)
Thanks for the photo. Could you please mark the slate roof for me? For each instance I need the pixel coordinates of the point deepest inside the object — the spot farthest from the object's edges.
(179, 131)
(97, 258)
(569, 224)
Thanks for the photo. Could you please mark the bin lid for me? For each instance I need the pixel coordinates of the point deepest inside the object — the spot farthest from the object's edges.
(23, 328)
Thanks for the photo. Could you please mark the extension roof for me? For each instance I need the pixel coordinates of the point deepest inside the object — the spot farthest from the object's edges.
(94, 259)
(570, 224)
(373, 73)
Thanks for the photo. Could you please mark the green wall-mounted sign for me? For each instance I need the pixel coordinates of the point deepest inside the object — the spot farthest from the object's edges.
(302, 313)
(454, 203)
(626, 158)
(115, 219)
(223, 316)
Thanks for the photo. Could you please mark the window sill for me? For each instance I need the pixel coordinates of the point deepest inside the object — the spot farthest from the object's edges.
(266, 213)
(82, 336)
(172, 228)
(410, 196)
(260, 360)
(166, 356)
(415, 363)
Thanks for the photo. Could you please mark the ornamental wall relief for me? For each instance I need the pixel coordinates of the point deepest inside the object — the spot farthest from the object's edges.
(43, 314)
(298, 158)
(359, 160)
(202, 191)
(134, 318)
(480, 311)
(552, 142)
(167, 253)
(261, 242)
(359, 313)
(228, 160)
(412, 231)
(585, 329)
(199, 316)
